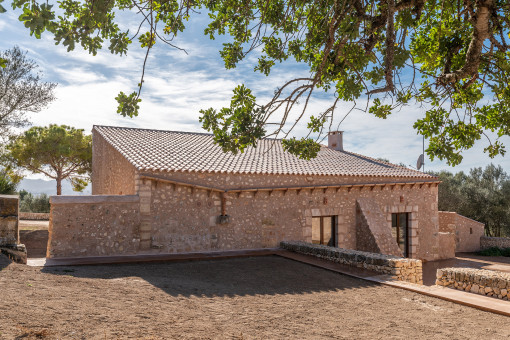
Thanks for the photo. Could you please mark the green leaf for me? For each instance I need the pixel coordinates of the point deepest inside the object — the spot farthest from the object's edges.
(128, 105)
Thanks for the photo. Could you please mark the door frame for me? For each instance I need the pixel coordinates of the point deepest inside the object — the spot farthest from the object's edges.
(334, 219)
(407, 230)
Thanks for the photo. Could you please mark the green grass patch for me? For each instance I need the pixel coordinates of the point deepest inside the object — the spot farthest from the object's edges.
(495, 251)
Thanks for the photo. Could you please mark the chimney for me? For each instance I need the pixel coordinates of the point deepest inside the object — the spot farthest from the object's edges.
(335, 141)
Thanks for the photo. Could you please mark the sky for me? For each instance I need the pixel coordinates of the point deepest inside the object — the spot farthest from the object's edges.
(177, 85)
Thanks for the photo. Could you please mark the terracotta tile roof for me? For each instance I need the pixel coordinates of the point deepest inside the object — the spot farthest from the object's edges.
(156, 150)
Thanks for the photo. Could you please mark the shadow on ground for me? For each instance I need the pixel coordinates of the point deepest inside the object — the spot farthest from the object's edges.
(35, 241)
(264, 275)
(4, 261)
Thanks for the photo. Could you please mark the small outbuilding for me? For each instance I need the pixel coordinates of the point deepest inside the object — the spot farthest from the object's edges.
(177, 192)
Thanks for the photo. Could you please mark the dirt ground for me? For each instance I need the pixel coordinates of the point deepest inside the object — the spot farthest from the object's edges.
(245, 298)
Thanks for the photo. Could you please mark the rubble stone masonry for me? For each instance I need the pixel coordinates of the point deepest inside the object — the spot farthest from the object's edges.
(94, 226)
(9, 234)
(398, 268)
(467, 232)
(112, 174)
(489, 242)
(185, 219)
(478, 281)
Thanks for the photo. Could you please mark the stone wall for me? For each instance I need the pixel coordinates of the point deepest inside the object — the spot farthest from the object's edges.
(9, 207)
(478, 281)
(112, 174)
(489, 242)
(399, 268)
(177, 218)
(94, 225)
(34, 216)
(372, 232)
(446, 245)
(467, 231)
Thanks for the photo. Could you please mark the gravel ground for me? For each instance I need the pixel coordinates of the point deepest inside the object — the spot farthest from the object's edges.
(246, 298)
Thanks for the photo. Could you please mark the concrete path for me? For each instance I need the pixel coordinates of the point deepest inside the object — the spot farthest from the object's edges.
(98, 260)
(485, 303)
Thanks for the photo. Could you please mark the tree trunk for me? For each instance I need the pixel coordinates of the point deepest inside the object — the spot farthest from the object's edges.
(59, 185)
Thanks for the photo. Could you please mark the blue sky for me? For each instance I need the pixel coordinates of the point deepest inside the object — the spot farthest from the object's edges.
(177, 86)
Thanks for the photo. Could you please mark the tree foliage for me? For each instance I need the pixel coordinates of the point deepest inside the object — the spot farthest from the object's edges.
(21, 90)
(33, 203)
(7, 184)
(483, 195)
(57, 151)
(450, 57)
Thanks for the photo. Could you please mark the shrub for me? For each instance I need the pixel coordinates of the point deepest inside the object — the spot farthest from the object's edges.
(495, 251)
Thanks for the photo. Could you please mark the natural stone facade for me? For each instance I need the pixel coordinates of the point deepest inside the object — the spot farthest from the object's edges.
(467, 232)
(398, 268)
(478, 281)
(499, 242)
(372, 232)
(264, 218)
(9, 231)
(9, 234)
(107, 160)
(94, 226)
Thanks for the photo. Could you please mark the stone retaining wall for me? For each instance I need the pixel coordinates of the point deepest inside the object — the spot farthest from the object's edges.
(9, 234)
(478, 281)
(489, 242)
(399, 268)
(94, 225)
(34, 216)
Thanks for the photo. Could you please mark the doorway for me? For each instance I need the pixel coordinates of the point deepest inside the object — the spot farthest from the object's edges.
(324, 230)
(400, 231)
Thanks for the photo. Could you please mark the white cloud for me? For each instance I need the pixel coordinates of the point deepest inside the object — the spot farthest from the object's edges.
(79, 75)
(177, 86)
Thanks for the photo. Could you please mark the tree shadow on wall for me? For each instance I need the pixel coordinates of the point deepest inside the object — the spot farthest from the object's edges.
(264, 275)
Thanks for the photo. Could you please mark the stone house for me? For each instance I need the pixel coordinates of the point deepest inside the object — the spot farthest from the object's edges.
(176, 192)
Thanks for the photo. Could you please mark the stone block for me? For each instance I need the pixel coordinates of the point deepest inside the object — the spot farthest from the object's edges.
(145, 208)
(9, 220)
(145, 227)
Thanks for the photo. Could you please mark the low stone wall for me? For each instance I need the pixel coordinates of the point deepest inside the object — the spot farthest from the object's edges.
(478, 281)
(34, 216)
(94, 225)
(489, 242)
(399, 268)
(9, 234)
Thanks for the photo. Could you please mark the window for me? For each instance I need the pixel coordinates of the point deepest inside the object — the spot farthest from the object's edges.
(400, 231)
(324, 230)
